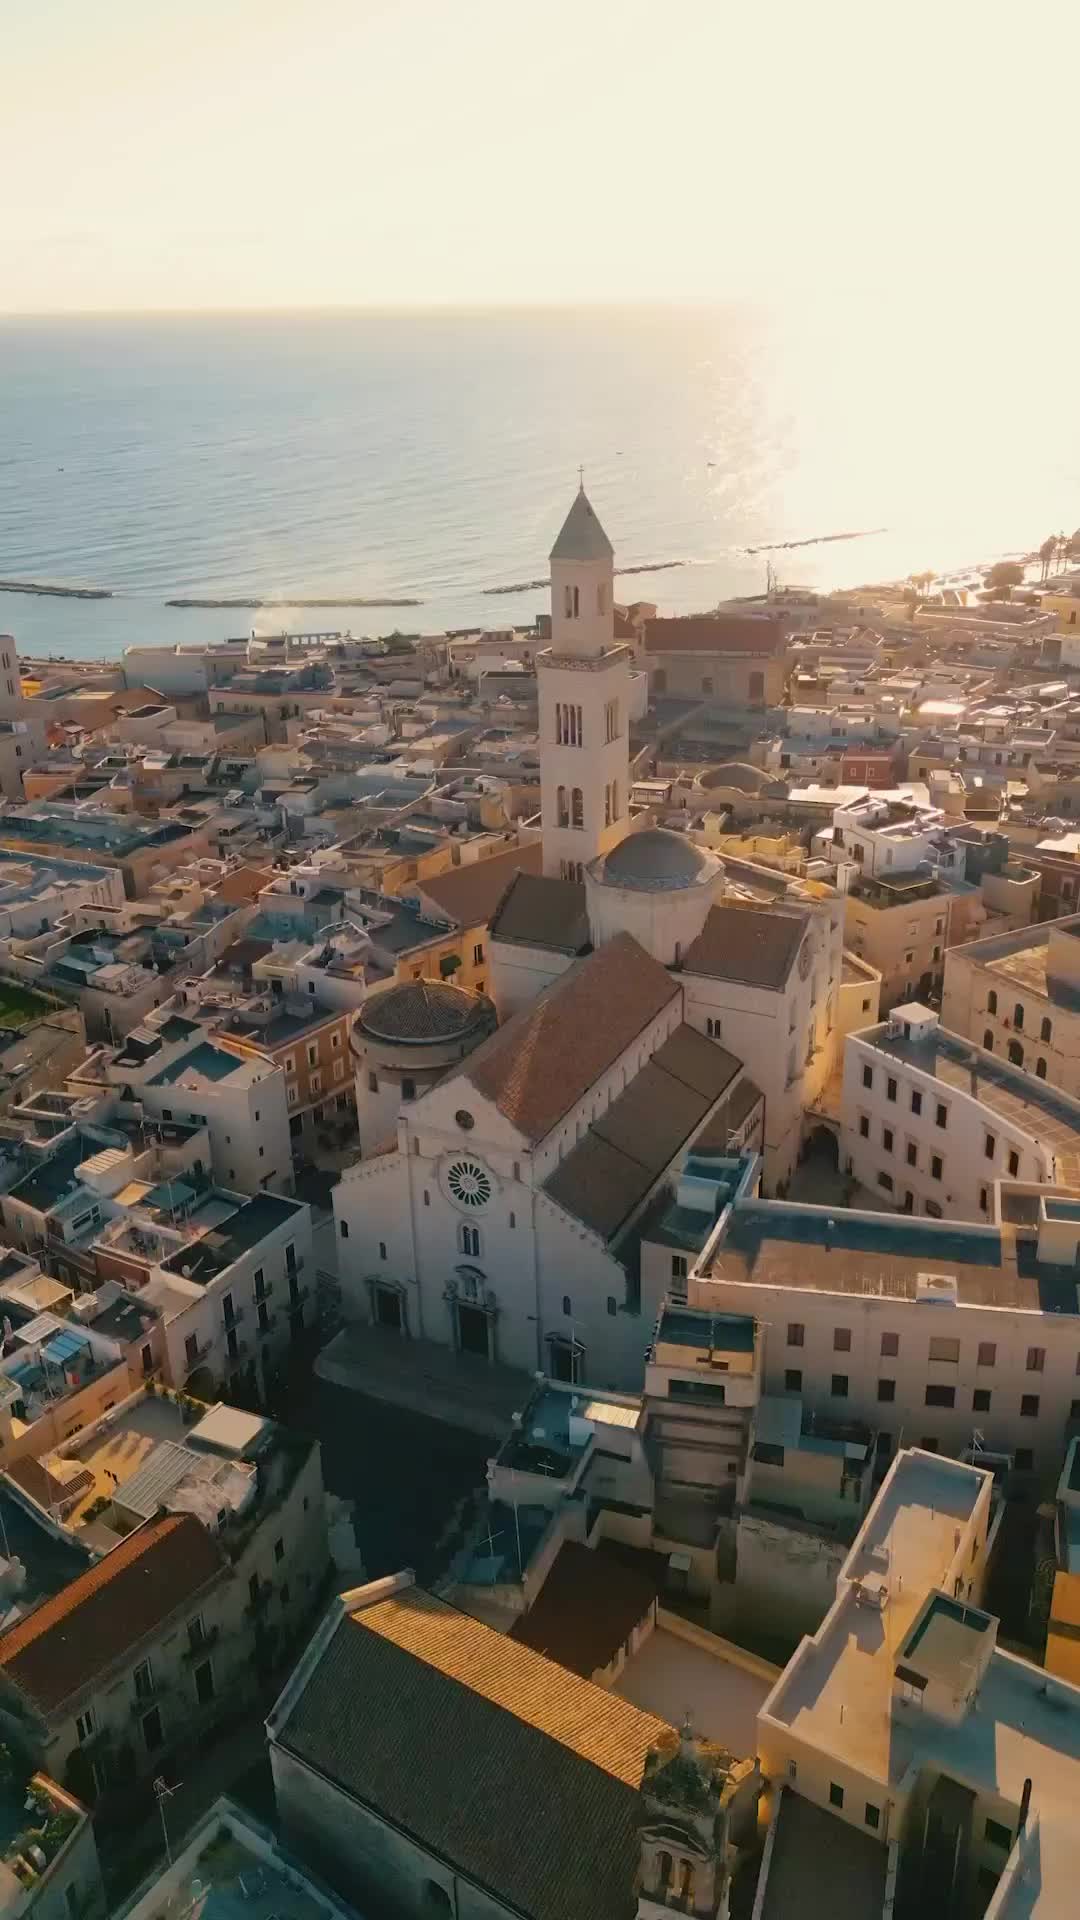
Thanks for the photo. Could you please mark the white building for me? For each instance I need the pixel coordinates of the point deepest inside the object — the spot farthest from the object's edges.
(511, 1219)
(915, 1763)
(929, 1122)
(170, 1068)
(951, 1335)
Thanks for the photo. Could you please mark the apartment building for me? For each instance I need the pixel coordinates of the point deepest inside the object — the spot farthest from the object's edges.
(233, 1298)
(952, 1336)
(894, 861)
(169, 1069)
(929, 1122)
(1018, 995)
(141, 850)
(913, 1761)
(215, 1556)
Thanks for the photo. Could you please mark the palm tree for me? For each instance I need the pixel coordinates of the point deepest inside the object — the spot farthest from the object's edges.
(1046, 554)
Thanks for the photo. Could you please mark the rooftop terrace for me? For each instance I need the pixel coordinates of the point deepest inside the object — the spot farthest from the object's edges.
(204, 1259)
(778, 1244)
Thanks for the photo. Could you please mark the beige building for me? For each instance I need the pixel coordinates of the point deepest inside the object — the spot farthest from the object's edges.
(1018, 994)
(185, 1615)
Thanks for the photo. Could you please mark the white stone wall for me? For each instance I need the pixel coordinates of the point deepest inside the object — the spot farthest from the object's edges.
(964, 1190)
(866, 1317)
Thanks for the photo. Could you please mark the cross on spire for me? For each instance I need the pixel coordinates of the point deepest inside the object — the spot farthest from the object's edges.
(581, 478)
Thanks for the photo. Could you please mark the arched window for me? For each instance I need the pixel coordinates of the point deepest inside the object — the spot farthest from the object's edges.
(469, 1240)
(436, 1898)
(991, 1002)
(567, 1305)
(614, 799)
(1040, 1068)
(601, 598)
(988, 1041)
(1016, 1053)
(563, 811)
(1018, 1015)
(1045, 1030)
(568, 602)
(663, 1871)
(577, 808)
(686, 1885)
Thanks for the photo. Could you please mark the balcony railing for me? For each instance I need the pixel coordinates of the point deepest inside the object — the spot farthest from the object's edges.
(266, 1326)
(263, 1291)
(232, 1316)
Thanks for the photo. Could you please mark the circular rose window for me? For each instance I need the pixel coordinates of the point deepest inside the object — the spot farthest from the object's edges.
(468, 1183)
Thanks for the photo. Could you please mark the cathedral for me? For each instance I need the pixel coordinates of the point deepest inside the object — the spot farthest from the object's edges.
(659, 1011)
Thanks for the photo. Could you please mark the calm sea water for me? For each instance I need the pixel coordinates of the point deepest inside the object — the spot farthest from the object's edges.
(433, 455)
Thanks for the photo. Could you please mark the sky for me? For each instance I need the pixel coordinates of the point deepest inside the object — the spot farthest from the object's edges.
(284, 153)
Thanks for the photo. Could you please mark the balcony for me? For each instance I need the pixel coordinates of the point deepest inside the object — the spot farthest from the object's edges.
(259, 1601)
(232, 1316)
(266, 1326)
(263, 1291)
(298, 1294)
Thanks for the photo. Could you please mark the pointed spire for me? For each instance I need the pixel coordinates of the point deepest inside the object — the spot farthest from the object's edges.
(582, 536)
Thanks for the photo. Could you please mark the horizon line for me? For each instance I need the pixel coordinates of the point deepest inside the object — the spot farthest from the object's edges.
(533, 305)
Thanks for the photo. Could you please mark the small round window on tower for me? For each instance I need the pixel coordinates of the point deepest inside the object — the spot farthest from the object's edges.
(465, 1120)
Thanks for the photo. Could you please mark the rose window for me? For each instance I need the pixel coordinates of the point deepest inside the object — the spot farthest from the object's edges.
(468, 1183)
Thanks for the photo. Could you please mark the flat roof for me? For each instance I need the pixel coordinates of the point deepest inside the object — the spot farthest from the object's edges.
(209, 1062)
(670, 1674)
(778, 1244)
(820, 1866)
(204, 1259)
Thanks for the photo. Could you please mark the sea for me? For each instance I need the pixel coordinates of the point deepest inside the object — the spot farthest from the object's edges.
(431, 456)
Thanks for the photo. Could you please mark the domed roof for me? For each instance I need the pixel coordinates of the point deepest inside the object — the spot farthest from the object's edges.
(655, 861)
(420, 1010)
(734, 773)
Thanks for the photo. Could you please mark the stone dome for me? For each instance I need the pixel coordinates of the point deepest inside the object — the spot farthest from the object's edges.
(733, 773)
(425, 1010)
(655, 861)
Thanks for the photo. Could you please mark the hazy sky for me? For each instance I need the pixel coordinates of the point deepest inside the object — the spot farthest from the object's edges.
(302, 152)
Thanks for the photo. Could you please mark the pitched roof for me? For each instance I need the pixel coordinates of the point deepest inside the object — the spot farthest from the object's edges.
(538, 911)
(63, 1645)
(581, 536)
(715, 633)
(469, 895)
(753, 945)
(628, 1147)
(457, 1735)
(541, 1063)
(589, 1605)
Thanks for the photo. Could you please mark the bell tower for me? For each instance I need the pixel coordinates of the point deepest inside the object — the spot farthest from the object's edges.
(583, 682)
(697, 1801)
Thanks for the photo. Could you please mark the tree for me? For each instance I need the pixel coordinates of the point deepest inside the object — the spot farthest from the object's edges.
(1005, 573)
(1046, 554)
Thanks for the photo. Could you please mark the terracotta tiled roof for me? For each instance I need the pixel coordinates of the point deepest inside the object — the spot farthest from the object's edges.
(63, 1645)
(496, 1760)
(539, 911)
(541, 1063)
(589, 1605)
(753, 945)
(469, 895)
(627, 1148)
(715, 633)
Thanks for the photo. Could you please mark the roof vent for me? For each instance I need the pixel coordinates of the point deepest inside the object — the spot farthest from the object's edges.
(938, 1288)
